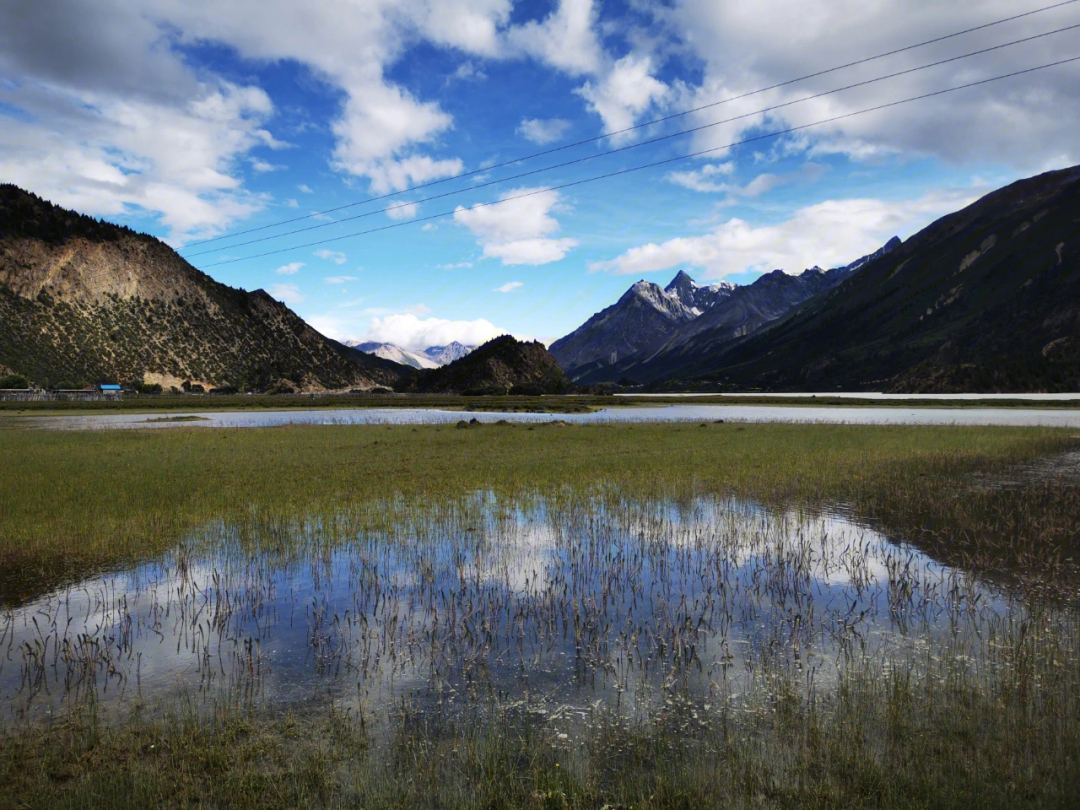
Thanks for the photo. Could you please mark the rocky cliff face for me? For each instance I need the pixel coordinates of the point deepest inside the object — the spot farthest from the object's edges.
(88, 300)
(500, 366)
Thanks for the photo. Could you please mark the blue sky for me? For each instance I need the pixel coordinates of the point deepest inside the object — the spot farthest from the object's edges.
(199, 119)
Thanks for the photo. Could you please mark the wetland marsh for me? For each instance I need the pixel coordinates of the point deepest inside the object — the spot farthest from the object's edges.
(548, 615)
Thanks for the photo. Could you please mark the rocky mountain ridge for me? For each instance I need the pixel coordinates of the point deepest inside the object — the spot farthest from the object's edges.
(431, 357)
(649, 322)
(82, 299)
(986, 299)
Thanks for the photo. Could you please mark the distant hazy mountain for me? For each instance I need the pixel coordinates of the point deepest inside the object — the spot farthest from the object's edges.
(431, 357)
(644, 315)
(82, 299)
(390, 351)
(500, 366)
(742, 311)
(447, 354)
(984, 300)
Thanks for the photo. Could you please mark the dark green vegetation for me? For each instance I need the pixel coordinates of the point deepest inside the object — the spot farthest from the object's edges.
(983, 300)
(88, 300)
(973, 720)
(503, 365)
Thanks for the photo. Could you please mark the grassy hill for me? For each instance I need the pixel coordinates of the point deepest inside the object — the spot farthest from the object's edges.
(83, 300)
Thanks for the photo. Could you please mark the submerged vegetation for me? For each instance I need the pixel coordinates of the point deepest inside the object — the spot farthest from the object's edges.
(541, 616)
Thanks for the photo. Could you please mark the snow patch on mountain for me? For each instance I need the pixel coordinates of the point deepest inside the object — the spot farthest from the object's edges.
(431, 357)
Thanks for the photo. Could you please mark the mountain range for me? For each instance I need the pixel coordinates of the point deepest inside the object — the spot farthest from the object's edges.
(684, 319)
(85, 300)
(431, 357)
(985, 300)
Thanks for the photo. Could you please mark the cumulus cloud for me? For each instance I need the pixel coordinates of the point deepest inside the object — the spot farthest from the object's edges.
(543, 131)
(566, 39)
(828, 234)
(401, 211)
(331, 256)
(625, 91)
(407, 329)
(1028, 122)
(510, 286)
(518, 230)
(706, 179)
(569, 39)
(411, 332)
(287, 293)
(290, 269)
(304, 188)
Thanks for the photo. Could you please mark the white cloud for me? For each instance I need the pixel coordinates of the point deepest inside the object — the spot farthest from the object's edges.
(305, 189)
(262, 166)
(339, 279)
(518, 231)
(292, 204)
(701, 180)
(1028, 122)
(331, 256)
(623, 93)
(412, 332)
(828, 234)
(290, 269)
(705, 179)
(287, 293)
(454, 266)
(543, 131)
(401, 211)
(510, 286)
(566, 39)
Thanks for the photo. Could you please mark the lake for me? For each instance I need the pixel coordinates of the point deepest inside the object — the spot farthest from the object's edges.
(869, 415)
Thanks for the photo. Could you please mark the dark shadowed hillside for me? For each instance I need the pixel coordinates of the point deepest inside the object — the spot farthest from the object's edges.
(986, 299)
(500, 366)
(87, 300)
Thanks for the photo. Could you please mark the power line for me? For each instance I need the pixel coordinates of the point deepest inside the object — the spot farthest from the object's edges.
(654, 164)
(636, 126)
(637, 145)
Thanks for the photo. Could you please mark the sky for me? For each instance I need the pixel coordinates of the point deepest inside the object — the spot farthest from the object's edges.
(198, 120)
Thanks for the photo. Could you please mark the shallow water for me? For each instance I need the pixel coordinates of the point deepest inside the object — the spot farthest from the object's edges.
(564, 604)
(1019, 417)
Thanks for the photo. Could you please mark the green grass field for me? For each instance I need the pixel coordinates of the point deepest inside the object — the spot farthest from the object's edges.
(1002, 730)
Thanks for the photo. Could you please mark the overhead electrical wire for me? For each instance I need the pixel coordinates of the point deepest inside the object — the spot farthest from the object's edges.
(670, 117)
(654, 164)
(636, 145)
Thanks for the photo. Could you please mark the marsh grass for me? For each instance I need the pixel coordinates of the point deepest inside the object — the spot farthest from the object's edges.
(946, 677)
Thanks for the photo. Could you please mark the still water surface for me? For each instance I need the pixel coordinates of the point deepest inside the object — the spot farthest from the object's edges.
(674, 413)
(560, 605)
